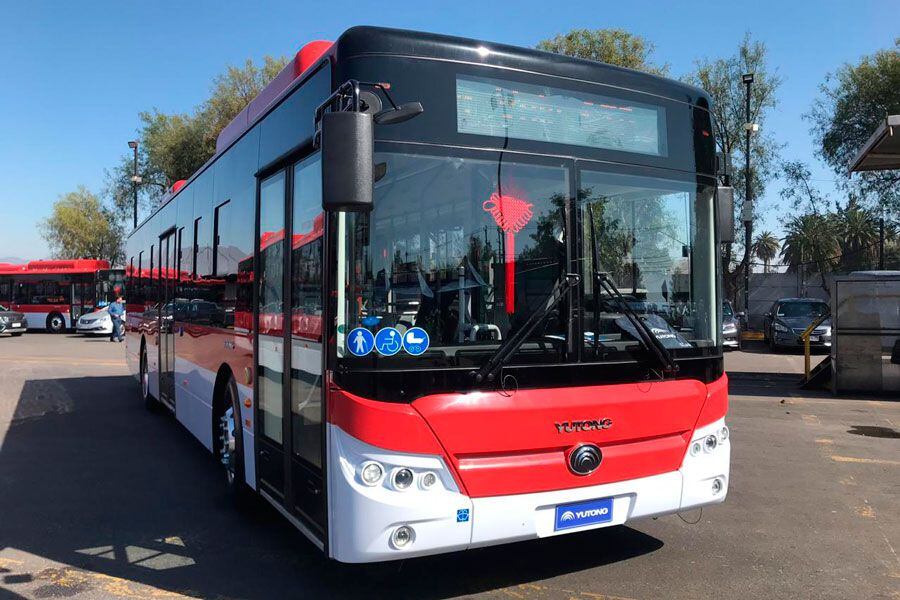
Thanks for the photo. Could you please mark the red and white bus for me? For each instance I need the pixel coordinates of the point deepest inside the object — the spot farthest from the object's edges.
(53, 294)
(498, 316)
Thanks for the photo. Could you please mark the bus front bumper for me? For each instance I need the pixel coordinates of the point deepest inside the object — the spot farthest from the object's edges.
(364, 521)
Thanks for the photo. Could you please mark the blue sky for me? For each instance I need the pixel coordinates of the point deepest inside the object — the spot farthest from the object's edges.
(74, 75)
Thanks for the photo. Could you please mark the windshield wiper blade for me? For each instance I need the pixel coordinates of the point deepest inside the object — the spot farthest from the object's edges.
(601, 279)
(511, 345)
(648, 338)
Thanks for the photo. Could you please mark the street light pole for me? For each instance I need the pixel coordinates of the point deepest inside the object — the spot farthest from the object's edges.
(748, 202)
(135, 178)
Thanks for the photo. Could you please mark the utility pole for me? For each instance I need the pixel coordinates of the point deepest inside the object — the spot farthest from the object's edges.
(881, 242)
(748, 201)
(135, 178)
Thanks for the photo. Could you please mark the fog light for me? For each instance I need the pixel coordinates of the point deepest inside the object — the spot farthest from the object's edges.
(710, 443)
(403, 478)
(723, 434)
(717, 486)
(428, 480)
(371, 473)
(402, 536)
(696, 448)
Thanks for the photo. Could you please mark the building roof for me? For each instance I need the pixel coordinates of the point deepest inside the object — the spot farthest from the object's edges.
(882, 150)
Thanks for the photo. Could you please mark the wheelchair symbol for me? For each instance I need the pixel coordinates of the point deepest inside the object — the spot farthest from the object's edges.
(387, 341)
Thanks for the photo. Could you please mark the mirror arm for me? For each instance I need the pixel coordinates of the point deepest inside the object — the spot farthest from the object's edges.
(349, 88)
(383, 89)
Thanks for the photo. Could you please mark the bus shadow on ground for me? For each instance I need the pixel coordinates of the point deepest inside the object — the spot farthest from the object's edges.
(93, 481)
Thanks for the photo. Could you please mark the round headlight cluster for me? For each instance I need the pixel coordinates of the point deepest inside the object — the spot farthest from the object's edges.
(722, 434)
(372, 473)
(710, 443)
(696, 448)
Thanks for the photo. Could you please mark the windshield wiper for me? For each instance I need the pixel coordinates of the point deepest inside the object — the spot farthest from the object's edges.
(603, 280)
(511, 345)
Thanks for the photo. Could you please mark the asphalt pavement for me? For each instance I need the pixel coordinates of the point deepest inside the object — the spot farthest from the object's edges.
(101, 499)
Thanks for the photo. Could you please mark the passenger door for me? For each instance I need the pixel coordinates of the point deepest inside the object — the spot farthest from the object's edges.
(269, 327)
(306, 313)
(167, 265)
(289, 344)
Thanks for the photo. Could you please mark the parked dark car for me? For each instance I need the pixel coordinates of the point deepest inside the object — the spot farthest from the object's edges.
(12, 322)
(789, 317)
(731, 327)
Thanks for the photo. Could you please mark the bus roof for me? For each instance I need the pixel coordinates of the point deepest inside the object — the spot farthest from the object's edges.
(365, 40)
(54, 267)
(384, 41)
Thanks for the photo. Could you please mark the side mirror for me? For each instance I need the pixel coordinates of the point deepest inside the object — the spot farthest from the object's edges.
(348, 144)
(725, 213)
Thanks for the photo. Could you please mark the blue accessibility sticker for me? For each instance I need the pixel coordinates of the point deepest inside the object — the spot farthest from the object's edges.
(387, 341)
(415, 341)
(579, 514)
(462, 515)
(360, 341)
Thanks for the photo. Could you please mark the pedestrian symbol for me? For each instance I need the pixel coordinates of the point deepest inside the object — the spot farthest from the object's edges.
(360, 341)
(415, 341)
(387, 341)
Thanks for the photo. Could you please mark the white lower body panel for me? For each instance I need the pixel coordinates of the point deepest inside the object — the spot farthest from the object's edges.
(362, 518)
(38, 320)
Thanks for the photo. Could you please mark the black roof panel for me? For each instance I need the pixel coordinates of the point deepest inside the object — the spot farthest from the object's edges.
(367, 41)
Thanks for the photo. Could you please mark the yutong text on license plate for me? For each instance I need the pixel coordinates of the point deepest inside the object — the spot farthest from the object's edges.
(578, 514)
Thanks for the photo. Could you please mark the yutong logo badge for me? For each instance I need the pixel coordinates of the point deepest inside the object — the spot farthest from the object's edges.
(579, 514)
(573, 426)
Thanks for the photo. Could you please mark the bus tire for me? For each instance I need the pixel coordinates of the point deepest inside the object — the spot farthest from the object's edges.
(56, 323)
(230, 444)
(150, 403)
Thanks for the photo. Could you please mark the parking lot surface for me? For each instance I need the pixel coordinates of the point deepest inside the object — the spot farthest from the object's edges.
(101, 499)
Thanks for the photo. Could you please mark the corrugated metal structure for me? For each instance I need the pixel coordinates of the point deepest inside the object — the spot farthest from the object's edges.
(865, 349)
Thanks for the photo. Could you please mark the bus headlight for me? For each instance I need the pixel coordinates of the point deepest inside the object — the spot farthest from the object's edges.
(403, 478)
(428, 480)
(710, 443)
(402, 536)
(723, 434)
(371, 473)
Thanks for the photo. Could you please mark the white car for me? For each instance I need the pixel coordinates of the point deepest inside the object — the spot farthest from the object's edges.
(98, 321)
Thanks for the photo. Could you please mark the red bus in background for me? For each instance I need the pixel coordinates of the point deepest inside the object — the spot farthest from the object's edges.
(53, 294)
(390, 303)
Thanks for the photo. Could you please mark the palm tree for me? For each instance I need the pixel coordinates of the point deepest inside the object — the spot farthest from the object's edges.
(813, 240)
(859, 234)
(765, 248)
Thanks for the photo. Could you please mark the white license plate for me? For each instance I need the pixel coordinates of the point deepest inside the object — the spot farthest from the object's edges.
(814, 338)
(15, 324)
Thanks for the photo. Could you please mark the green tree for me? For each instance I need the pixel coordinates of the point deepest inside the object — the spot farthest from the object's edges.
(858, 229)
(765, 248)
(81, 227)
(612, 46)
(721, 78)
(174, 146)
(854, 101)
(811, 243)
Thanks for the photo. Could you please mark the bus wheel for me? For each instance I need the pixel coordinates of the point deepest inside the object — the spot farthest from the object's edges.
(150, 402)
(55, 323)
(231, 446)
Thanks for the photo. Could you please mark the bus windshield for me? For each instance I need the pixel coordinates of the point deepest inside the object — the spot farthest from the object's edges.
(466, 245)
